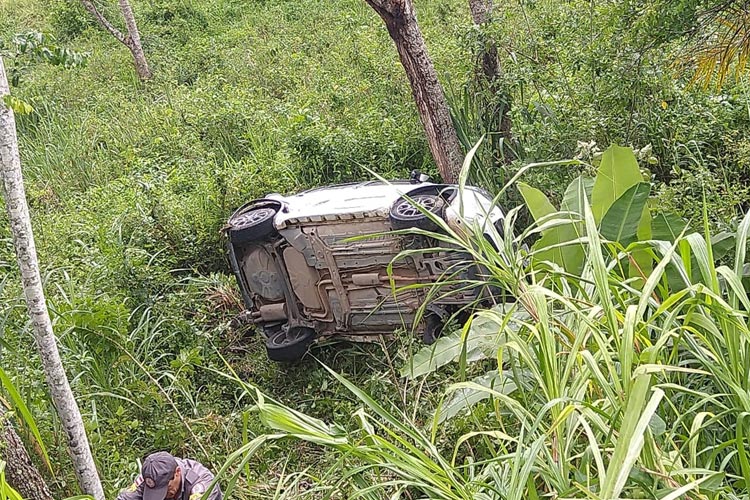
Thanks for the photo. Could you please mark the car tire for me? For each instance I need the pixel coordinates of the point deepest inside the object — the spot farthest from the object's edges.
(409, 211)
(289, 345)
(433, 327)
(253, 224)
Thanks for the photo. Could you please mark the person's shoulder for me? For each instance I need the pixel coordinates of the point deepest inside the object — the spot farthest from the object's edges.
(195, 472)
(189, 464)
(132, 492)
(198, 478)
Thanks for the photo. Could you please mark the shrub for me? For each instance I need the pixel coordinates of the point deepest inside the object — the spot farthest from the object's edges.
(69, 19)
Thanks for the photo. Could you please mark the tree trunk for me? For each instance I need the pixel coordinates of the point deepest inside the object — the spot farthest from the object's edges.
(481, 13)
(481, 10)
(401, 22)
(20, 472)
(23, 239)
(134, 39)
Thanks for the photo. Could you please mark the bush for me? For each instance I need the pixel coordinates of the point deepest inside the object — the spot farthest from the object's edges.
(69, 19)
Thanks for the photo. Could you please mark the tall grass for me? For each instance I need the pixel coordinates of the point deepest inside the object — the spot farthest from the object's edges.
(602, 386)
(253, 104)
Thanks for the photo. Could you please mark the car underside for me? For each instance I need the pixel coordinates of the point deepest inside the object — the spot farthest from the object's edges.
(308, 276)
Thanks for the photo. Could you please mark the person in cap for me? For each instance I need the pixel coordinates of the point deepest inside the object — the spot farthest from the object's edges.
(166, 477)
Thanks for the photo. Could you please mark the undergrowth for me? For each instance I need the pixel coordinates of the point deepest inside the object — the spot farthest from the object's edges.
(130, 183)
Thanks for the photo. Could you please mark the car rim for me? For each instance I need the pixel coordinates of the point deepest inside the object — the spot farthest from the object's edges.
(254, 216)
(410, 209)
(283, 339)
(278, 340)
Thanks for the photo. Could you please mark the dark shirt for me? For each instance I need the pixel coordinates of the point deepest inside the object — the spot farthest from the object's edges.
(195, 481)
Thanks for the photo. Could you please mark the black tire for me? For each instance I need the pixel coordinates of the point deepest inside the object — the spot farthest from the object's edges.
(489, 293)
(289, 345)
(433, 327)
(254, 224)
(409, 212)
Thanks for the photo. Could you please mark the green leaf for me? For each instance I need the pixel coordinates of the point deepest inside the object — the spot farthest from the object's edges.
(722, 244)
(298, 424)
(704, 265)
(641, 257)
(742, 447)
(26, 418)
(624, 216)
(681, 491)
(539, 205)
(657, 425)
(483, 341)
(735, 290)
(743, 232)
(571, 256)
(667, 226)
(18, 106)
(573, 198)
(630, 439)
(617, 173)
(428, 359)
(599, 267)
(556, 246)
(469, 396)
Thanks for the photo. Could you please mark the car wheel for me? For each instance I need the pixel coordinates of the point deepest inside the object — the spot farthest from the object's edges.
(289, 345)
(433, 327)
(410, 212)
(254, 224)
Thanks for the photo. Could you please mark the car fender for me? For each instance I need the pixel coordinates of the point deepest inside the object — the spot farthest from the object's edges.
(471, 206)
(258, 202)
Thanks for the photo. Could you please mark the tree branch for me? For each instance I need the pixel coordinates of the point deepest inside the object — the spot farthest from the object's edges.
(390, 9)
(481, 10)
(89, 6)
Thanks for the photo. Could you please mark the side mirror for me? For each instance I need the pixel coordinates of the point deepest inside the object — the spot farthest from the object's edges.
(417, 177)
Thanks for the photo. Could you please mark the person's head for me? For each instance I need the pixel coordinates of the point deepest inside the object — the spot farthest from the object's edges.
(161, 476)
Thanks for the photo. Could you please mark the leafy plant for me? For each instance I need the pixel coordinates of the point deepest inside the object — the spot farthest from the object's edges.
(619, 203)
(129, 186)
(723, 45)
(25, 417)
(599, 389)
(35, 46)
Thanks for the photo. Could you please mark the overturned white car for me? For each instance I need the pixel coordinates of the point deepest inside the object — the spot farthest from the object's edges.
(306, 272)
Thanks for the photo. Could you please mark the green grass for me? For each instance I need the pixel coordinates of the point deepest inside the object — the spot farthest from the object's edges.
(130, 183)
(600, 389)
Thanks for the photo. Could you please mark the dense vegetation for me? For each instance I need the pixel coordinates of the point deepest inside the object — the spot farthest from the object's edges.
(130, 183)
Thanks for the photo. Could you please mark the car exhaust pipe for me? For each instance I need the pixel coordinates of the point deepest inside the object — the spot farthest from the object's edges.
(272, 312)
(366, 279)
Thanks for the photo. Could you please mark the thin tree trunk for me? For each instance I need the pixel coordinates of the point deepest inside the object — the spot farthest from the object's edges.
(20, 472)
(401, 21)
(481, 14)
(141, 66)
(481, 11)
(132, 40)
(20, 225)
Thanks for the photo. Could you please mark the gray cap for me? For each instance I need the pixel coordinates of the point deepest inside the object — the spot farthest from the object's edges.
(157, 471)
